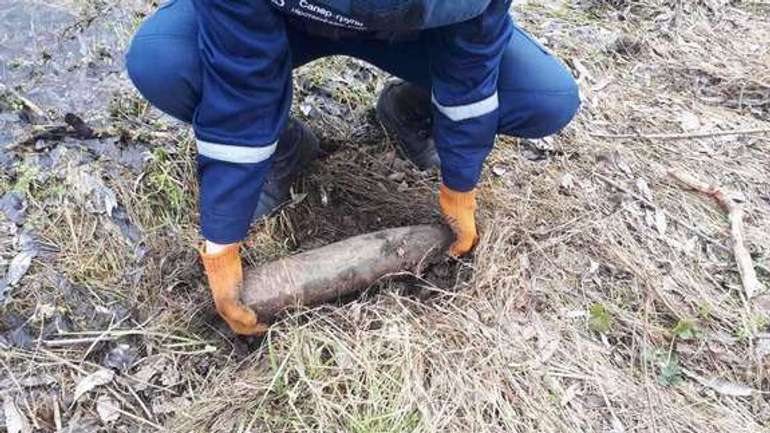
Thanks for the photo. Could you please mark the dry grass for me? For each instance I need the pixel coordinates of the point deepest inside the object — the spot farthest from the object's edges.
(584, 308)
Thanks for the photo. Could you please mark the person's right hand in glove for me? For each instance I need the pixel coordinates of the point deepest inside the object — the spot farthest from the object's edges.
(225, 274)
(459, 210)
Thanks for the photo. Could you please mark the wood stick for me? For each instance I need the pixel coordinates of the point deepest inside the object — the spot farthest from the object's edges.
(56, 413)
(732, 203)
(31, 106)
(686, 135)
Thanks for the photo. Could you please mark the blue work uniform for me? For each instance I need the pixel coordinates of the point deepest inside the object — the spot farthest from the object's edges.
(226, 66)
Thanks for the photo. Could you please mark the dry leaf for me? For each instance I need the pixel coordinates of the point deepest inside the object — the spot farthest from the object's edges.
(19, 266)
(575, 314)
(499, 170)
(110, 200)
(689, 121)
(644, 189)
(120, 357)
(147, 372)
(15, 421)
(99, 198)
(108, 409)
(722, 386)
(732, 389)
(171, 376)
(162, 406)
(81, 422)
(27, 382)
(592, 267)
(567, 182)
(14, 205)
(661, 222)
(690, 245)
(762, 347)
(99, 378)
(649, 218)
(570, 393)
(397, 176)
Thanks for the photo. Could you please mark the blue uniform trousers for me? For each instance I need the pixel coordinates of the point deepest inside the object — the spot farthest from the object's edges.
(537, 95)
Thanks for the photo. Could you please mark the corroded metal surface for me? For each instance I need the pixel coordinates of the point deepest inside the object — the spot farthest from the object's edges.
(326, 273)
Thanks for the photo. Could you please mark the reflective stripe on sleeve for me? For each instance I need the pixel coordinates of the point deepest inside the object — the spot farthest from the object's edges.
(468, 111)
(236, 154)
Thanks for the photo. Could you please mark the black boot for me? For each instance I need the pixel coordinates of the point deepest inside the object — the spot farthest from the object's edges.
(404, 109)
(297, 147)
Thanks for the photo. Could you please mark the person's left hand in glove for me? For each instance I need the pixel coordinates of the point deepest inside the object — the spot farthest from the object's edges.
(225, 274)
(459, 211)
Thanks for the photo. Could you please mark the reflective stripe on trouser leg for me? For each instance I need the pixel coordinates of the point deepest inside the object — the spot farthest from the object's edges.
(236, 154)
(468, 111)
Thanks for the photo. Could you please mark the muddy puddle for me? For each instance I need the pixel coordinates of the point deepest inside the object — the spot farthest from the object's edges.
(63, 55)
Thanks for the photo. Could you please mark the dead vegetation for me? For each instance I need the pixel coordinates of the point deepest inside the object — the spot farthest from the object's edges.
(603, 296)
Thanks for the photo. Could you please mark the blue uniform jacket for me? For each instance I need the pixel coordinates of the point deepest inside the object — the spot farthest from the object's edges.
(247, 94)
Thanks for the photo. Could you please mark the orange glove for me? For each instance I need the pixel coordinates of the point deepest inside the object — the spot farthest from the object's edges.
(225, 275)
(459, 210)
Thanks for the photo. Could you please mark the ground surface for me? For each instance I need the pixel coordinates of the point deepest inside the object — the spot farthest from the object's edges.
(603, 296)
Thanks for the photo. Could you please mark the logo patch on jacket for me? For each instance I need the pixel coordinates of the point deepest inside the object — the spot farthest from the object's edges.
(384, 15)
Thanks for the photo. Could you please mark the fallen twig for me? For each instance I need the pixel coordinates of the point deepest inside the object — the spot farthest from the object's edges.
(29, 105)
(56, 412)
(91, 336)
(731, 202)
(685, 135)
(76, 341)
(74, 127)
